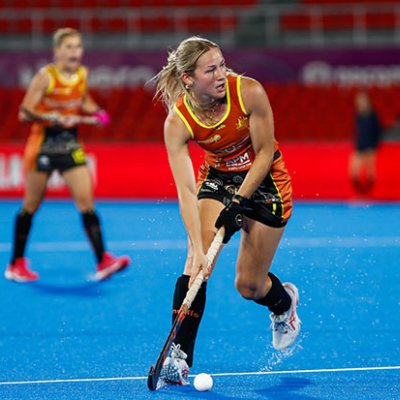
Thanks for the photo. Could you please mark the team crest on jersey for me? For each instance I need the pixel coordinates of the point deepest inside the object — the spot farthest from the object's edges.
(242, 123)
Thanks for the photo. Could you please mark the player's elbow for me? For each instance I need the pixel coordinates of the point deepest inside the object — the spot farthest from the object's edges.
(23, 114)
(22, 117)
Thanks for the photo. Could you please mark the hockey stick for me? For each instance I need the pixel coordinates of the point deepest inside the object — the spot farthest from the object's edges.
(78, 119)
(213, 251)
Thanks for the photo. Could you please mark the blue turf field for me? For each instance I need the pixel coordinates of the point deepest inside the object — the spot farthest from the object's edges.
(66, 337)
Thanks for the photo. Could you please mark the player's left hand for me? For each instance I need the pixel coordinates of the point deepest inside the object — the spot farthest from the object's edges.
(231, 217)
(102, 117)
(199, 262)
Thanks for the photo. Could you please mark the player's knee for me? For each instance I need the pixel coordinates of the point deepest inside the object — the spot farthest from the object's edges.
(248, 289)
(31, 206)
(84, 204)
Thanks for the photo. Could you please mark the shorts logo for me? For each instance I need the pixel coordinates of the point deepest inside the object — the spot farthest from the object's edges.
(231, 189)
(44, 161)
(211, 185)
(237, 179)
(79, 156)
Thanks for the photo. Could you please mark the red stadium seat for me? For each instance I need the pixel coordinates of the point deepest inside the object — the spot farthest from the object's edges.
(301, 113)
(209, 23)
(346, 2)
(382, 20)
(337, 21)
(156, 24)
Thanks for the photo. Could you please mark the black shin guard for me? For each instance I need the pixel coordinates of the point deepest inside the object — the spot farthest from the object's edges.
(277, 299)
(91, 223)
(186, 336)
(23, 223)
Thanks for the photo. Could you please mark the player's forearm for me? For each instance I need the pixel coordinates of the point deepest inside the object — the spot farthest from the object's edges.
(188, 205)
(90, 107)
(257, 172)
(27, 115)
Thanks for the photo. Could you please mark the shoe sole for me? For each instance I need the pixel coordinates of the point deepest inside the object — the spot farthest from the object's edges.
(106, 273)
(18, 278)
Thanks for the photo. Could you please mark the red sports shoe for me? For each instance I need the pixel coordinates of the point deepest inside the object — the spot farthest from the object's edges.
(109, 265)
(20, 272)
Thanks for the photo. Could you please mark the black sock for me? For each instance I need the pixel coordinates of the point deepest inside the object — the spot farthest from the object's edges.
(23, 223)
(186, 336)
(277, 299)
(91, 223)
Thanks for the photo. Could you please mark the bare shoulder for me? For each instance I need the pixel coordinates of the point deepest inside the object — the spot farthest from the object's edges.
(175, 128)
(251, 87)
(41, 79)
(173, 121)
(252, 92)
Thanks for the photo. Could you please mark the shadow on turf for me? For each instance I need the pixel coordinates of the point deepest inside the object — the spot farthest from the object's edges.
(189, 392)
(86, 289)
(286, 390)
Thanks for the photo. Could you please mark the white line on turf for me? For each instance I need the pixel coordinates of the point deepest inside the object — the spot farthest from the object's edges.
(221, 374)
(287, 243)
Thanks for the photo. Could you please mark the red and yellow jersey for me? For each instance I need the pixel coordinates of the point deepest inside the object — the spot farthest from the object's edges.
(227, 143)
(62, 96)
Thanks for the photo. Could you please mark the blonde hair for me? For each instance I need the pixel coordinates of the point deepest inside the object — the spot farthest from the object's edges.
(170, 85)
(62, 33)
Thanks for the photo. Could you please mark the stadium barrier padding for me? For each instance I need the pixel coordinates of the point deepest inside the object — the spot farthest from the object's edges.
(319, 171)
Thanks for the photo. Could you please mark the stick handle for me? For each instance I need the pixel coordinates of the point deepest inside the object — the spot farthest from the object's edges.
(211, 255)
(87, 119)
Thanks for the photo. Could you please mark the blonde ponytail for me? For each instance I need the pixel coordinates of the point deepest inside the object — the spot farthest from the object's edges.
(170, 85)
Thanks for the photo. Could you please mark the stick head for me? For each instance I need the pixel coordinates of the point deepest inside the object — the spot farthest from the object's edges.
(151, 381)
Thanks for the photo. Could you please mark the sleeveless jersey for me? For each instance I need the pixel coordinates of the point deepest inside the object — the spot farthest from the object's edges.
(227, 143)
(62, 96)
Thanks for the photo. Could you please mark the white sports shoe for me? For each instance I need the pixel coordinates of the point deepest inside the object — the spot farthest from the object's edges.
(175, 369)
(286, 326)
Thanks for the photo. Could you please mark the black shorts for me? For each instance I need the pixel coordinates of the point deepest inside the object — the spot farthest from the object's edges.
(60, 151)
(48, 162)
(268, 204)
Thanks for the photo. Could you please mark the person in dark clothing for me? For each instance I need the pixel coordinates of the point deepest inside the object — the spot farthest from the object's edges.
(368, 135)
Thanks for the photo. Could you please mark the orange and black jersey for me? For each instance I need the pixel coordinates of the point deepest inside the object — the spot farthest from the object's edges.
(64, 97)
(230, 154)
(227, 143)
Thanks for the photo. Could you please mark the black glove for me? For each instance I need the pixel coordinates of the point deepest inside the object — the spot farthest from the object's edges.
(231, 217)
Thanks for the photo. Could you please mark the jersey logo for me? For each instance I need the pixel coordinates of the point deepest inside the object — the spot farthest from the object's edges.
(212, 139)
(63, 91)
(219, 127)
(242, 123)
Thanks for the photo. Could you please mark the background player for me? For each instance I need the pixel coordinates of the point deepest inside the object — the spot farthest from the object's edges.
(243, 183)
(53, 103)
(367, 138)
